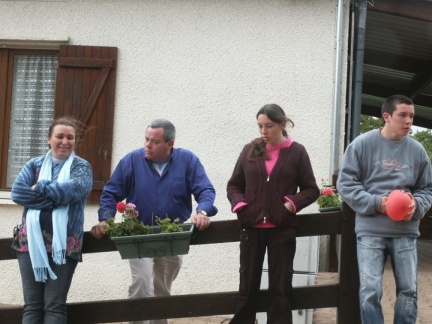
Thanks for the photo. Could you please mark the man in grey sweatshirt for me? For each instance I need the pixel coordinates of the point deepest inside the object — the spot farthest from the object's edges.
(374, 164)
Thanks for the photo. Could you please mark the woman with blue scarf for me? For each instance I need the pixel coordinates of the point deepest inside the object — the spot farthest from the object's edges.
(53, 190)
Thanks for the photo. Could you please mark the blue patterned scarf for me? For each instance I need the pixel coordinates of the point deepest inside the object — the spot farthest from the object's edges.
(37, 249)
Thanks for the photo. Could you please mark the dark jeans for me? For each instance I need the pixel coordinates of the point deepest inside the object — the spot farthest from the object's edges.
(45, 302)
(281, 246)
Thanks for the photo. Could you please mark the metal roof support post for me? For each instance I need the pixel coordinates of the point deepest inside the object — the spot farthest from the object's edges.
(358, 69)
(336, 128)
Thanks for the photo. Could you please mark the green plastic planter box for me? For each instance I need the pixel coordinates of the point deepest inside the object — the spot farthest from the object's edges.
(156, 244)
(329, 209)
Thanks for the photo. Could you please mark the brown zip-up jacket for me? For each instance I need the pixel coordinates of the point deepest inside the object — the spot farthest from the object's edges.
(291, 177)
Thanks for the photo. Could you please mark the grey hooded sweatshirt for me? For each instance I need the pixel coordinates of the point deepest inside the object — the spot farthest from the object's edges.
(374, 166)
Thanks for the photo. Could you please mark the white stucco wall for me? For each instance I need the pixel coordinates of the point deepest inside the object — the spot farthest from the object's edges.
(208, 66)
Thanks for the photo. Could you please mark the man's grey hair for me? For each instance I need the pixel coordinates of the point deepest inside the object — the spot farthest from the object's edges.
(168, 128)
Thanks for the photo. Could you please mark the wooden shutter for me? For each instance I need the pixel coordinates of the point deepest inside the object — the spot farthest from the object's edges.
(85, 89)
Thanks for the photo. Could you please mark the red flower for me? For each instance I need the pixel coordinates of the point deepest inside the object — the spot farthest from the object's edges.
(327, 191)
(121, 207)
(130, 224)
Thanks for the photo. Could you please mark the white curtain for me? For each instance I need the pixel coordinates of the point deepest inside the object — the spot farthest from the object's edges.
(32, 109)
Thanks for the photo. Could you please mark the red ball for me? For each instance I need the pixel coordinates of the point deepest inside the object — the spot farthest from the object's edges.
(398, 203)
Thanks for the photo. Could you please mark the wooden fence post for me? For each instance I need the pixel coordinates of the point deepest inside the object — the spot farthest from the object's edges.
(349, 307)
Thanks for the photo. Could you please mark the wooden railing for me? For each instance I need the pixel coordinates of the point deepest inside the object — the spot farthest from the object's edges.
(342, 295)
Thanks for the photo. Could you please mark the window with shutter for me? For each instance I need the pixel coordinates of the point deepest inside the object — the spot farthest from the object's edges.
(84, 88)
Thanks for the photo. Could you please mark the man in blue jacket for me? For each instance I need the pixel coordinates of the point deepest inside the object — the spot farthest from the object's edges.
(160, 180)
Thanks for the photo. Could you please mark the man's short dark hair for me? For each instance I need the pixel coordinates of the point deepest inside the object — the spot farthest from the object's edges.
(390, 105)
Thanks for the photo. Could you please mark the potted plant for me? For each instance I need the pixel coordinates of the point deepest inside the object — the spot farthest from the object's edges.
(329, 199)
(137, 240)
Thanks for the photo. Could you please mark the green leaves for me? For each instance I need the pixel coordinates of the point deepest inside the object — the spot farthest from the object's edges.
(328, 197)
(328, 200)
(168, 226)
(129, 226)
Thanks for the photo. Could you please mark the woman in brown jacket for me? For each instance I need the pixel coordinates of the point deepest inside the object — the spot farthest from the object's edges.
(272, 181)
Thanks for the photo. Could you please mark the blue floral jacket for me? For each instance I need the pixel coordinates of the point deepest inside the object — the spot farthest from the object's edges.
(49, 194)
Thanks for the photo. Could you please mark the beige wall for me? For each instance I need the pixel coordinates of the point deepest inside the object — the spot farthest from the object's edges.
(208, 66)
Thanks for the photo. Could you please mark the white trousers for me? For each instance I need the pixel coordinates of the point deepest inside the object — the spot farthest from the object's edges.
(153, 277)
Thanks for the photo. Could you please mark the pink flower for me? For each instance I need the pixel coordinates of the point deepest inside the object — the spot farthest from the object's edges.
(131, 210)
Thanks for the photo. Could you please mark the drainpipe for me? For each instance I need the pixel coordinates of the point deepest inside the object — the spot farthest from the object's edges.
(358, 69)
(335, 140)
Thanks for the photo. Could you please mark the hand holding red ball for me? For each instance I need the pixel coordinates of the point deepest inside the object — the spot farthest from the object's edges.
(399, 205)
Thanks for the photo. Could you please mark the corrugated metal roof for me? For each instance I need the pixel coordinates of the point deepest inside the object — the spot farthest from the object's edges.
(398, 56)
(405, 36)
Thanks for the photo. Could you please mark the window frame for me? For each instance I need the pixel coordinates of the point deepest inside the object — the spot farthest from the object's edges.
(7, 58)
(84, 89)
